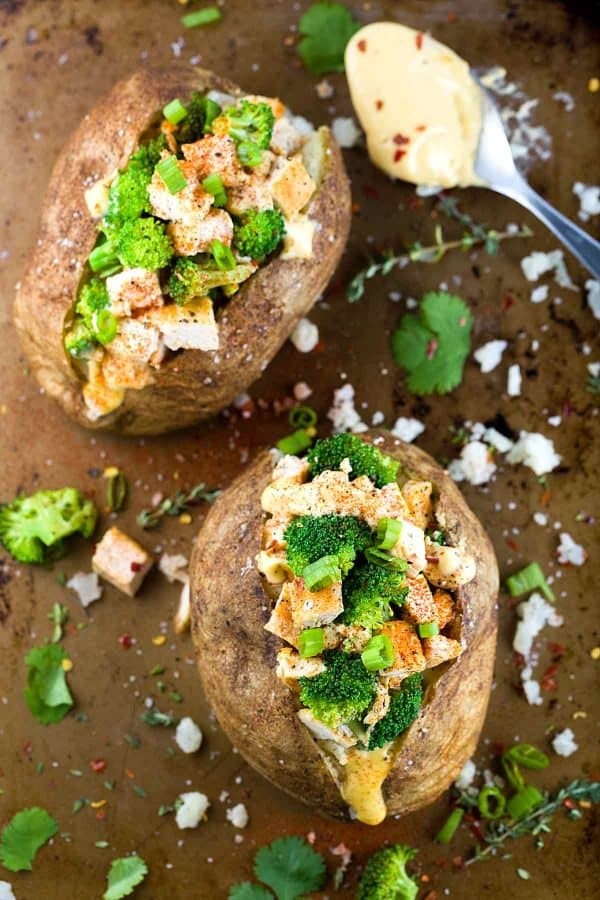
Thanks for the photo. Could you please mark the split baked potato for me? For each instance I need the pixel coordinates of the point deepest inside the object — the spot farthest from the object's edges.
(252, 612)
(142, 313)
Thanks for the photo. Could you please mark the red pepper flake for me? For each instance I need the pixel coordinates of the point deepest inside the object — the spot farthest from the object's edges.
(401, 139)
(519, 660)
(136, 567)
(355, 208)
(420, 127)
(362, 46)
(507, 301)
(419, 40)
(556, 649)
(425, 879)
(512, 544)
(125, 641)
(551, 670)
(379, 104)
(545, 498)
(100, 813)
(549, 684)
(431, 348)
(98, 765)
(457, 862)
(319, 347)
(28, 748)
(569, 804)
(398, 155)
(477, 832)
(452, 16)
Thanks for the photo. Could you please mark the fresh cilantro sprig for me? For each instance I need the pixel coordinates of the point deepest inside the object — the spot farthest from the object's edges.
(47, 694)
(27, 831)
(434, 345)
(124, 875)
(326, 28)
(289, 866)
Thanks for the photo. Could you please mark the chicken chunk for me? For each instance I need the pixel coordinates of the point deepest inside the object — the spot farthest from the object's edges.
(291, 468)
(342, 735)
(274, 531)
(286, 139)
(448, 567)
(354, 637)
(298, 239)
(418, 499)
(440, 649)
(419, 606)
(380, 705)
(310, 609)
(127, 359)
(444, 606)
(133, 289)
(189, 327)
(280, 622)
(197, 233)
(291, 667)
(215, 154)
(190, 202)
(411, 547)
(408, 653)
(256, 193)
(292, 186)
(121, 561)
(273, 565)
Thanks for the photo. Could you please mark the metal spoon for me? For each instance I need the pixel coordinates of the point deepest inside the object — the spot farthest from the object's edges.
(495, 165)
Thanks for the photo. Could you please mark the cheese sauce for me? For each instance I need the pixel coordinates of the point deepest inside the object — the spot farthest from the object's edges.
(417, 103)
(363, 776)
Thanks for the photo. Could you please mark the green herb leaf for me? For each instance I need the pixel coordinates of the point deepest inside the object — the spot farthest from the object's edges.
(434, 345)
(156, 717)
(58, 617)
(173, 506)
(290, 867)
(47, 694)
(21, 839)
(247, 891)
(124, 874)
(326, 28)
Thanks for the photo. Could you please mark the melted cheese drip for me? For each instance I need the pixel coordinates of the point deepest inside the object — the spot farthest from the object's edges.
(362, 779)
(417, 103)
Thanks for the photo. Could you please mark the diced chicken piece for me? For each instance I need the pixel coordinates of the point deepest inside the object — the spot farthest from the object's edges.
(342, 735)
(286, 139)
(197, 233)
(439, 649)
(273, 533)
(380, 705)
(263, 169)
(418, 499)
(121, 561)
(354, 637)
(292, 186)
(448, 567)
(280, 621)
(310, 609)
(298, 239)
(276, 105)
(411, 547)
(98, 397)
(273, 565)
(392, 504)
(444, 607)
(97, 196)
(216, 154)
(190, 202)
(291, 666)
(291, 468)
(189, 327)
(133, 289)
(256, 193)
(121, 373)
(127, 358)
(408, 653)
(419, 606)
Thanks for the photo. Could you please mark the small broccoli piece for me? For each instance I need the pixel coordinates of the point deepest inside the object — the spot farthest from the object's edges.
(365, 459)
(33, 528)
(201, 111)
(141, 242)
(385, 876)
(404, 709)
(342, 692)
(368, 592)
(190, 279)
(80, 340)
(258, 233)
(250, 122)
(93, 297)
(309, 538)
(128, 196)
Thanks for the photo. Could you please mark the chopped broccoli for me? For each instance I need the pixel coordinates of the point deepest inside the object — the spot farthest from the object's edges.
(128, 198)
(368, 594)
(404, 709)
(385, 876)
(311, 537)
(80, 340)
(365, 459)
(190, 279)
(139, 242)
(33, 528)
(258, 233)
(93, 297)
(251, 122)
(342, 692)
(201, 111)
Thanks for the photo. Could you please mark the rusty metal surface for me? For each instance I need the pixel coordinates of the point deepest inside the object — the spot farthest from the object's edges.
(56, 58)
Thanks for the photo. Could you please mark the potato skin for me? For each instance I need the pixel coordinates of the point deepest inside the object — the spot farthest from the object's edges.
(193, 385)
(237, 657)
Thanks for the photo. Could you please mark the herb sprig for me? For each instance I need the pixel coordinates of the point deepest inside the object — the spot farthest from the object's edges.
(325, 29)
(178, 503)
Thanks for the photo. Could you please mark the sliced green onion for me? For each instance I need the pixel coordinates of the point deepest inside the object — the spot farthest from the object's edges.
(527, 580)
(200, 17)
(311, 642)
(428, 629)
(295, 443)
(381, 558)
(436, 536)
(249, 153)
(388, 533)
(523, 802)
(171, 174)
(303, 417)
(512, 772)
(105, 326)
(378, 654)
(528, 756)
(491, 802)
(222, 255)
(448, 829)
(174, 112)
(103, 256)
(212, 184)
(322, 573)
(211, 111)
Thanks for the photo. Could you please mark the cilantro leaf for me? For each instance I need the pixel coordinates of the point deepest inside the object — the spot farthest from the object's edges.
(326, 28)
(247, 891)
(290, 867)
(47, 694)
(434, 345)
(27, 831)
(124, 874)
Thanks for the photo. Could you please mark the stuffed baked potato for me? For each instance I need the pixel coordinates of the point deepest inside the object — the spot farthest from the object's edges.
(186, 229)
(344, 614)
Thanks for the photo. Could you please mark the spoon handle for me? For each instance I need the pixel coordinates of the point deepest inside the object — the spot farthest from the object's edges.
(581, 245)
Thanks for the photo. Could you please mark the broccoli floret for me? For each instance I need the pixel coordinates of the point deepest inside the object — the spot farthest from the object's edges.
(365, 459)
(252, 122)
(141, 242)
(189, 279)
(33, 528)
(342, 692)
(128, 196)
(385, 876)
(368, 592)
(93, 297)
(80, 340)
(201, 111)
(258, 233)
(309, 538)
(404, 709)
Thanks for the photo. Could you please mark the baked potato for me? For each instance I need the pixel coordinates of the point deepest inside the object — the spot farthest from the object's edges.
(177, 250)
(395, 624)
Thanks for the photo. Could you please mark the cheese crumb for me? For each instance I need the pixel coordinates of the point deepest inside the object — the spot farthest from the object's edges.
(346, 131)
(305, 336)
(86, 586)
(535, 613)
(538, 263)
(407, 429)
(188, 736)
(569, 552)
(489, 355)
(536, 451)
(343, 413)
(466, 776)
(498, 441)
(6, 891)
(539, 294)
(174, 567)
(593, 296)
(191, 808)
(589, 200)
(513, 386)
(540, 518)
(238, 816)
(564, 744)
(474, 465)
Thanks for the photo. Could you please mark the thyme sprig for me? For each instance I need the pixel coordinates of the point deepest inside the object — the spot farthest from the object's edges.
(179, 502)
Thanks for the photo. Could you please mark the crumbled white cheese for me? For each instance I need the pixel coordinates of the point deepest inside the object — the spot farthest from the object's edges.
(174, 567)
(554, 421)
(466, 776)
(593, 296)
(540, 293)
(188, 736)
(489, 355)
(428, 190)
(474, 465)
(343, 413)
(594, 369)
(498, 441)
(526, 139)
(301, 391)
(538, 263)
(513, 385)
(407, 429)
(378, 418)
(86, 586)
(191, 807)
(566, 99)
(324, 89)
(535, 613)
(564, 743)
(305, 336)
(345, 131)
(536, 451)
(570, 552)
(540, 518)
(238, 816)
(589, 200)
(6, 891)
(531, 688)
